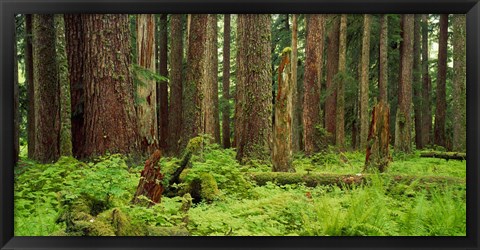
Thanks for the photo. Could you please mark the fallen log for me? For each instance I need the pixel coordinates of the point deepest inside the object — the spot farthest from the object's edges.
(445, 155)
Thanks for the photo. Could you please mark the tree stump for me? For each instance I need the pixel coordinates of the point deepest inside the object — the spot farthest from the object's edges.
(378, 155)
(150, 184)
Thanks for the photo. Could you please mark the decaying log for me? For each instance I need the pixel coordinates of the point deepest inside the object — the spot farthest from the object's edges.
(150, 184)
(445, 155)
(378, 155)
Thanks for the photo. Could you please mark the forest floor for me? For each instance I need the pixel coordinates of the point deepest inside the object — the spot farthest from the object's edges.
(235, 205)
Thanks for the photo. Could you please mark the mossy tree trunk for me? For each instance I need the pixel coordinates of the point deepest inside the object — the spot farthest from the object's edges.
(30, 86)
(254, 77)
(332, 70)
(47, 89)
(342, 63)
(296, 98)
(459, 83)
(162, 86)
(364, 80)
(110, 119)
(146, 90)
(441, 106)
(378, 155)
(417, 83)
(226, 82)
(312, 81)
(426, 86)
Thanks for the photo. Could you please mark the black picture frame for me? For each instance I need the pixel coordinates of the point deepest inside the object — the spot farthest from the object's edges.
(10, 7)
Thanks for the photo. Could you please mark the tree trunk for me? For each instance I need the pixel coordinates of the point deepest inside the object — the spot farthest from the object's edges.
(459, 83)
(383, 58)
(110, 119)
(297, 111)
(282, 132)
(74, 47)
(417, 83)
(192, 101)
(47, 91)
(254, 79)
(16, 106)
(426, 86)
(312, 82)
(364, 81)
(30, 86)
(441, 107)
(332, 69)
(226, 83)
(146, 90)
(403, 140)
(378, 155)
(342, 63)
(212, 123)
(162, 86)
(65, 113)
(150, 184)
(176, 81)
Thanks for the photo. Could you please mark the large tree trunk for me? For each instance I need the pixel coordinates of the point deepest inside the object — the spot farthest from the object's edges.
(176, 81)
(110, 120)
(297, 111)
(383, 60)
(30, 86)
(332, 69)
(192, 102)
(146, 90)
(364, 80)
(378, 155)
(74, 46)
(282, 132)
(417, 83)
(16, 106)
(212, 123)
(426, 86)
(254, 79)
(459, 82)
(162, 86)
(47, 91)
(226, 83)
(342, 63)
(403, 124)
(312, 82)
(441, 107)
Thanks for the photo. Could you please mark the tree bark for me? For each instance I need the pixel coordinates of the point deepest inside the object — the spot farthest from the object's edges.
(342, 63)
(110, 119)
(30, 86)
(378, 155)
(162, 86)
(332, 70)
(47, 91)
(403, 138)
(383, 58)
(364, 81)
(441, 107)
(254, 77)
(417, 83)
(296, 98)
(150, 184)
(459, 83)
(312, 81)
(226, 83)
(426, 86)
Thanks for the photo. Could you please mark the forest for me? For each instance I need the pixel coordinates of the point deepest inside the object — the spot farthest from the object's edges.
(240, 125)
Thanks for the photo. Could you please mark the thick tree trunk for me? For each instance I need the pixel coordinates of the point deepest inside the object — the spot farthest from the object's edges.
(364, 80)
(297, 111)
(342, 63)
(192, 101)
(162, 87)
(226, 83)
(383, 60)
(30, 86)
(110, 119)
(146, 90)
(459, 83)
(378, 155)
(312, 82)
(426, 86)
(441, 107)
(74, 46)
(282, 132)
(176, 81)
(417, 83)
(332, 69)
(47, 91)
(403, 124)
(254, 79)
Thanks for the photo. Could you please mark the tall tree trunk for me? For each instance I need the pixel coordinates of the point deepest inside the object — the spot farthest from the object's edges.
(417, 83)
(74, 46)
(110, 119)
(403, 140)
(383, 58)
(30, 86)
(212, 123)
(342, 63)
(192, 101)
(62, 64)
(426, 86)
(176, 79)
(254, 79)
(226, 82)
(146, 90)
(282, 132)
(441, 107)
(162, 86)
(16, 106)
(297, 111)
(312, 81)
(364, 81)
(47, 91)
(459, 83)
(332, 69)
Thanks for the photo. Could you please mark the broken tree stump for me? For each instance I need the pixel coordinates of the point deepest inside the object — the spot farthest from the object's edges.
(378, 156)
(445, 155)
(150, 184)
